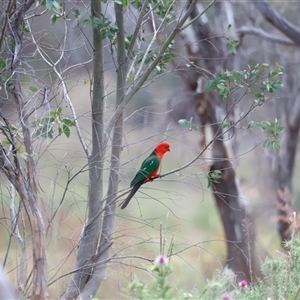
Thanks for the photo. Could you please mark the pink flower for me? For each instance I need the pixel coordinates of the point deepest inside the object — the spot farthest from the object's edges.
(226, 297)
(243, 283)
(161, 260)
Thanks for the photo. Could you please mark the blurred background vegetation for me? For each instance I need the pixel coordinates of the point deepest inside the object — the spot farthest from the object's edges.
(179, 207)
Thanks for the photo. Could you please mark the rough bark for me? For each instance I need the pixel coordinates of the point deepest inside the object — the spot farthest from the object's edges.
(284, 168)
(237, 222)
(28, 192)
(235, 216)
(24, 181)
(285, 157)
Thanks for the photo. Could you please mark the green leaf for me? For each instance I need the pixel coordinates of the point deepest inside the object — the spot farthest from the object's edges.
(276, 145)
(49, 4)
(2, 63)
(232, 49)
(56, 5)
(33, 89)
(5, 143)
(59, 110)
(53, 4)
(85, 22)
(185, 123)
(209, 85)
(25, 79)
(279, 129)
(209, 182)
(266, 144)
(224, 125)
(234, 42)
(105, 27)
(66, 131)
(54, 18)
(215, 174)
(269, 123)
(68, 122)
(265, 66)
(277, 85)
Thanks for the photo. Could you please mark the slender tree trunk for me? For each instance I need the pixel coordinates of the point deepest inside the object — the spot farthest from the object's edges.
(101, 259)
(90, 237)
(26, 182)
(92, 258)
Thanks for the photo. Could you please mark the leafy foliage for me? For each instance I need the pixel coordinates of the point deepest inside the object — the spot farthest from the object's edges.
(44, 127)
(164, 10)
(12, 136)
(231, 44)
(226, 82)
(105, 27)
(188, 124)
(161, 288)
(272, 129)
(212, 176)
(280, 276)
(280, 280)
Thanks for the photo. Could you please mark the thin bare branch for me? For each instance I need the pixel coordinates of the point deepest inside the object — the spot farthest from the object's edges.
(136, 86)
(52, 64)
(265, 35)
(271, 15)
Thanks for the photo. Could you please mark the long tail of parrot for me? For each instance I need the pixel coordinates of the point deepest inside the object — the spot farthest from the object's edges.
(131, 194)
(148, 171)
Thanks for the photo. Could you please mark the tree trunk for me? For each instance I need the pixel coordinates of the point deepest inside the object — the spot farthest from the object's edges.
(91, 233)
(285, 157)
(237, 222)
(25, 182)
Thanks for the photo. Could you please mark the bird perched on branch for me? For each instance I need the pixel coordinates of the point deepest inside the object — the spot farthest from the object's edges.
(149, 170)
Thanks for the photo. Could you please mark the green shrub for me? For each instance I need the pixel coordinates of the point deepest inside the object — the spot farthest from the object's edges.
(280, 280)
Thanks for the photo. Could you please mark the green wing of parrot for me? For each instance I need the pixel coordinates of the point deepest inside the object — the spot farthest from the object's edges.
(148, 169)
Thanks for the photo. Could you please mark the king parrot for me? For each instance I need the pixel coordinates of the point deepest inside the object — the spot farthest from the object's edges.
(149, 170)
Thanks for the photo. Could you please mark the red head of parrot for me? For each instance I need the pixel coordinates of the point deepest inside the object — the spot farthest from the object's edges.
(149, 169)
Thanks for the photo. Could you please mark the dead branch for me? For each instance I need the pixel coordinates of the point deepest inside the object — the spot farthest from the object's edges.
(278, 21)
(264, 35)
